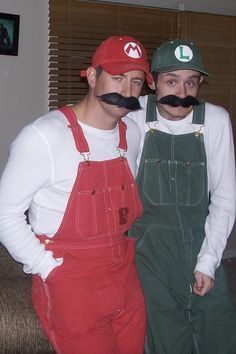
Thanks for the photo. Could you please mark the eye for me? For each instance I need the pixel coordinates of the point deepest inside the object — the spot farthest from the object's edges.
(137, 82)
(171, 82)
(190, 83)
(117, 78)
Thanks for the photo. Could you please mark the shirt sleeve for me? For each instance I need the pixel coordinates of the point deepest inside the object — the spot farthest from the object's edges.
(29, 168)
(221, 183)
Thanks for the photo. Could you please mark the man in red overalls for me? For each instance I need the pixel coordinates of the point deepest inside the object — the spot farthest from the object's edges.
(73, 169)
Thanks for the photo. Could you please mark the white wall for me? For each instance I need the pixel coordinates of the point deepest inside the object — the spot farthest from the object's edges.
(23, 78)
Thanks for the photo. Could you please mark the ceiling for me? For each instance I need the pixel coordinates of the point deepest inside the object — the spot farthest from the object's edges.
(223, 7)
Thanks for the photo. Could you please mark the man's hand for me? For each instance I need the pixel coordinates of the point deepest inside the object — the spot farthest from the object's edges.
(203, 284)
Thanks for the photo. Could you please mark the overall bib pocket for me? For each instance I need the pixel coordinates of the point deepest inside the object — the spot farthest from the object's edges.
(98, 211)
(173, 182)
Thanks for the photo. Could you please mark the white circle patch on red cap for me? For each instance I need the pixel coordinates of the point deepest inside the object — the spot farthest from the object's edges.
(133, 50)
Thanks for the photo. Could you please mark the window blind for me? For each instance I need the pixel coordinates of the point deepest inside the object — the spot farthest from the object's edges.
(216, 37)
(76, 28)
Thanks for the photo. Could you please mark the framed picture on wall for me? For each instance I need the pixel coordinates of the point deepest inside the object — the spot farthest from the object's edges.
(9, 34)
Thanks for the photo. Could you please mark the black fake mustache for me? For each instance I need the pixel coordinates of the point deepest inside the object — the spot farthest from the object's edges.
(115, 99)
(176, 101)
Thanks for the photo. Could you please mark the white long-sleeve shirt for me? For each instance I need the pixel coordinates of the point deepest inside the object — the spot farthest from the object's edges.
(221, 175)
(40, 174)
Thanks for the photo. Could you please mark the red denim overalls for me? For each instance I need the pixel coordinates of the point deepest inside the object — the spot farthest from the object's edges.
(93, 303)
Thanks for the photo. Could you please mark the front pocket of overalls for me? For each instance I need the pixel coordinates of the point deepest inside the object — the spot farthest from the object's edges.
(173, 182)
(104, 212)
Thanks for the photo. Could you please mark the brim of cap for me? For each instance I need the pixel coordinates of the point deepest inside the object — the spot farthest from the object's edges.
(121, 68)
(173, 68)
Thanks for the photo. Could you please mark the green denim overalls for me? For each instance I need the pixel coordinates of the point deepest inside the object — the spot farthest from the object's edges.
(172, 182)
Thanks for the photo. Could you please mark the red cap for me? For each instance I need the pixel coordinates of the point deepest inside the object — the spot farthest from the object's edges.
(120, 54)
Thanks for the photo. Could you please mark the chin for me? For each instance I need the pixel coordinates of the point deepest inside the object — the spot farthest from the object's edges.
(123, 111)
(179, 112)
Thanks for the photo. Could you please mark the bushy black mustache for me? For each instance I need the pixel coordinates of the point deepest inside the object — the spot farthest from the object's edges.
(176, 101)
(131, 103)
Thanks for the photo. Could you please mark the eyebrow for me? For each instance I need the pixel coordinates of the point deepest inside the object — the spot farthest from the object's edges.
(138, 78)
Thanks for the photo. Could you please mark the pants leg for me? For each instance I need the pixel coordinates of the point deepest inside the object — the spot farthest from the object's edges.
(214, 318)
(130, 326)
(168, 331)
(92, 307)
(166, 296)
(206, 325)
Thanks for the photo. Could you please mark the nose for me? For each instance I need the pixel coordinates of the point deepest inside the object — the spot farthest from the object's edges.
(181, 91)
(127, 90)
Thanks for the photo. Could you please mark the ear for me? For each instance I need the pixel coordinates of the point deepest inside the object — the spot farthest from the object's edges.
(201, 79)
(91, 76)
(152, 85)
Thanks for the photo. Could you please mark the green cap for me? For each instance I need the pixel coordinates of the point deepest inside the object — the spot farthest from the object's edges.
(177, 54)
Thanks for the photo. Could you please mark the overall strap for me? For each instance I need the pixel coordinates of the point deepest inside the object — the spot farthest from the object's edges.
(80, 141)
(199, 113)
(151, 114)
(122, 133)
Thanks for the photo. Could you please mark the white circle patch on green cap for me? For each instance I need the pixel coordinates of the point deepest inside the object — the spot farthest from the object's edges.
(183, 53)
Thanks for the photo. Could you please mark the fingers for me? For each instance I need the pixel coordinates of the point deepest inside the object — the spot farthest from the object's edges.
(203, 284)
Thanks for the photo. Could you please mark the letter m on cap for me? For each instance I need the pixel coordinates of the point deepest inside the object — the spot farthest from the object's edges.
(133, 50)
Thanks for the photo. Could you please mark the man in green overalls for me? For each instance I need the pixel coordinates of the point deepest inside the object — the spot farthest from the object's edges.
(186, 182)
